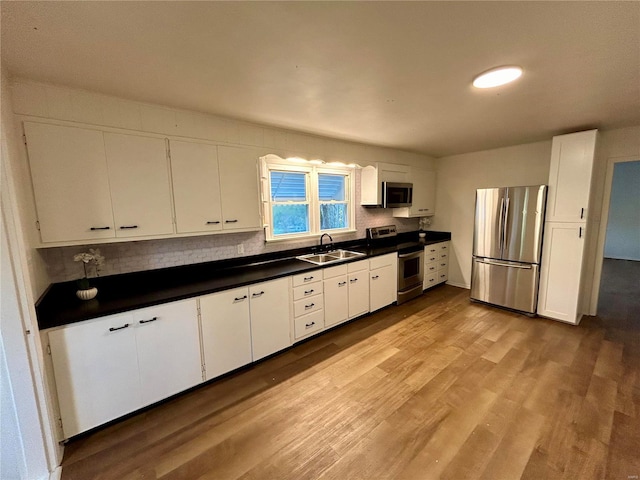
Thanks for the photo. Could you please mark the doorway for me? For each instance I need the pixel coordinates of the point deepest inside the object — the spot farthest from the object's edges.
(619, 299)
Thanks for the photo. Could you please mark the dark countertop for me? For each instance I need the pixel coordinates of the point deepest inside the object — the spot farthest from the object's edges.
(120, 293)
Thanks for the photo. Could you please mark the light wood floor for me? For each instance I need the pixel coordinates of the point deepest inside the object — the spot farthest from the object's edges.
(436, 388)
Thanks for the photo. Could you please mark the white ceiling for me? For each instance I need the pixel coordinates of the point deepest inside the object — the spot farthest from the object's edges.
(395, 74)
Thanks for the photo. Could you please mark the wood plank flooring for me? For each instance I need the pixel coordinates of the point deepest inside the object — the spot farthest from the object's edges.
(436, 388)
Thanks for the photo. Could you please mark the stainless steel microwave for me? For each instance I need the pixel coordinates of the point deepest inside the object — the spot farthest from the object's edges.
(395, 195)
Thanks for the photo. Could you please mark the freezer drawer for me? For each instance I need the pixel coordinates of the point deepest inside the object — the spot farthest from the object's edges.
(507, 284)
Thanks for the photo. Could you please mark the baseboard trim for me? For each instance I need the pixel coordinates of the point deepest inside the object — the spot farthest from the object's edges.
(56, 474)
(459, 285)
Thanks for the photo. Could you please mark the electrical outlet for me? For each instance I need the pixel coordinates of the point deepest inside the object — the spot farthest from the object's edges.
(240, 248)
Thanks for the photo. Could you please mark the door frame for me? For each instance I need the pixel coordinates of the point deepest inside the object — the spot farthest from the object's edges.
(602, 234)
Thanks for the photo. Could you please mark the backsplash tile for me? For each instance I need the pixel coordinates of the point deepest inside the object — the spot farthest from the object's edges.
(142, 255)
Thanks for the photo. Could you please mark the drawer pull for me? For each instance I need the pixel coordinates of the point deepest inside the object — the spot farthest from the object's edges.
(239, 299)
(432, 280)
(128, 227)
(309, 292)
(308, 279)
(216, 222)
(443, 264)
(149, 321)
(342, 284)
(354, 280)
(113, 329)
(375, 277)
(309, 325)
(231, 221)
(93, 229)
(259, 294)
(311, 305)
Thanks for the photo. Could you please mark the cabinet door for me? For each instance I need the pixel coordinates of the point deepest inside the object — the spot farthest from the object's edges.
(239, 188)
(336, 300)
(424, 195)
(70, 182)
(383, 287)
(570, 176)
(226, 331)
(168, 343)
(196, 187)
(270, 317)
(140, 188)
(96, 371)
(561, 271)
(358, 293)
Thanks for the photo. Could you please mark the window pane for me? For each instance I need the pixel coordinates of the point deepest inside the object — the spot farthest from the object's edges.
(333, 215)
(290, 219)
(288, 186)
(331, 187)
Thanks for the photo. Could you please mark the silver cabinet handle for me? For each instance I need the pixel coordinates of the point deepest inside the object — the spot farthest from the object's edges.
(150, 320)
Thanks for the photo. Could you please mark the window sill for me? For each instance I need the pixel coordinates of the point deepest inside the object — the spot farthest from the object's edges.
(313, 236)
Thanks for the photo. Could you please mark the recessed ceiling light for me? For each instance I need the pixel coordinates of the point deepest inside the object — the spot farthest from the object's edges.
(497, 76)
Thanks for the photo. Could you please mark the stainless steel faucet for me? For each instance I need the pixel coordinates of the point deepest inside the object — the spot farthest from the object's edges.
(322, 237)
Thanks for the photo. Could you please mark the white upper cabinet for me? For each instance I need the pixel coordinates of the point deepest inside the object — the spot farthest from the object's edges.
(196, 187)
(70, 181)
(570, 171)
(239, 188)
(372, 177)
(140, 186)
(424, 195)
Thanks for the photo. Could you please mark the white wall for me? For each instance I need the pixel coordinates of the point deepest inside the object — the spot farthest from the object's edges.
(623, 228)
(458, 178)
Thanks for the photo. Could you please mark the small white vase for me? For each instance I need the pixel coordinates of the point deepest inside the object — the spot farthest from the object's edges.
(87, 294)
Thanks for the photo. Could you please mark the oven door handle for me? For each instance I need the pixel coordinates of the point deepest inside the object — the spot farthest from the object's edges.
(412, 254)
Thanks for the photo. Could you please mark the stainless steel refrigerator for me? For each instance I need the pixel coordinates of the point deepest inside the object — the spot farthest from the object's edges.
(507, 246)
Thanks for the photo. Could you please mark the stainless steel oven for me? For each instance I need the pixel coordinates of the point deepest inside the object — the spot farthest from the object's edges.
(410, 275)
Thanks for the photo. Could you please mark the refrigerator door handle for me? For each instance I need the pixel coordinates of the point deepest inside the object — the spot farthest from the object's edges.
(505, 225)
(501, 226)
(501, 264)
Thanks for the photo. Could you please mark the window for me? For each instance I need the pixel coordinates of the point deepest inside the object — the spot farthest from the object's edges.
(302, 199)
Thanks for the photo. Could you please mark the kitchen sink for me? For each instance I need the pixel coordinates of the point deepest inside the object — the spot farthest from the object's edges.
(333, 256)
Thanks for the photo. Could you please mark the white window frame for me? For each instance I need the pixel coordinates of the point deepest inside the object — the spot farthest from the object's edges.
(271, 162)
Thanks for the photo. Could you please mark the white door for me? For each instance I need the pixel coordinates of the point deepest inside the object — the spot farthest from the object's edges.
(358, 293)
(336, 300)
(239, 188)
(168, 344)
(140, 187)
(196, 187)
(70, 182)
(570, 176)
(96, 371)
(226, 331)
(270, 317)
(561, 271)
(383, 287)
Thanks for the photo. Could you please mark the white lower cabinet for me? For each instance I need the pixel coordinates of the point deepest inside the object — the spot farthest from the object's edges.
(308, 304)
(358, 279)
(168, 345)
(111, 366)
(270, 317)
(336, 295)
(226, 331)
(561, 270)
(383, 281)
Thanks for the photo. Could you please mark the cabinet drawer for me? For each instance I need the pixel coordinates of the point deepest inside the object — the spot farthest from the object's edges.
(430, 281)
(430, 268)
(358, 266)
(307, 324)
(443, 265)
(304, 291)
(308, 305)
(430, 257)
(443, 255)
(443, 247)
(334, 271)
(431, 249)
(442, 276)
(306, 278)
(383, 261)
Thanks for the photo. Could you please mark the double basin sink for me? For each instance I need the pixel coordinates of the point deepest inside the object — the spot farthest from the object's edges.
(333, 256)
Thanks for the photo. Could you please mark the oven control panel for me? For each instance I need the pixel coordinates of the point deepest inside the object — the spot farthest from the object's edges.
(378, 233)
